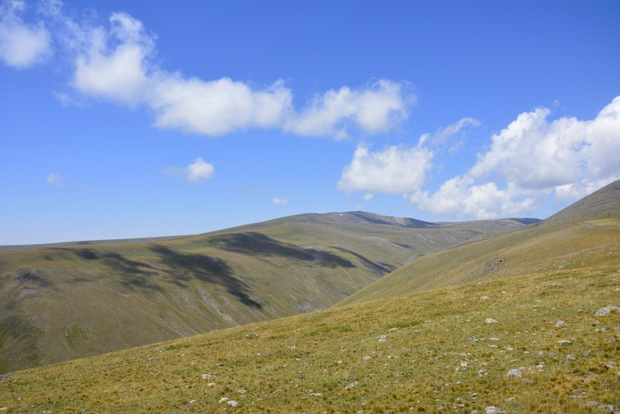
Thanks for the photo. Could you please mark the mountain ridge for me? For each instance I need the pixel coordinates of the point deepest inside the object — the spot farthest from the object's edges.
(66, 301)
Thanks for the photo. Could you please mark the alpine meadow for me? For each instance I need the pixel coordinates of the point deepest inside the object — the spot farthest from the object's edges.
(310, 207)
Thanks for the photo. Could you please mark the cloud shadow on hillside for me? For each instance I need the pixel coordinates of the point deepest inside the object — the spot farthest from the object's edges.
(380, 269)
(133, 273)
(257, 244)
(187, 266)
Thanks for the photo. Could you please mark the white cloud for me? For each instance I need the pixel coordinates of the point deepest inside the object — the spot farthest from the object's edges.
(461, 197)
(532, 153)
(374, 109)
(277, 201)
(368, 196)
(54, 179)
(113, 63)
(21, 44)
(216, 107)
(533, 159)
(196, 172)
(117, 63)
(199, 171)
(395, 169)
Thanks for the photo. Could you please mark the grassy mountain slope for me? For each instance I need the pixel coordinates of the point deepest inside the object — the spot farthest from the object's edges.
(602, 204)
(561, 244)
(62, 302)
(441, 350)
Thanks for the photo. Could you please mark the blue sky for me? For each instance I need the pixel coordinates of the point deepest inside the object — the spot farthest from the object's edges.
(127, 119)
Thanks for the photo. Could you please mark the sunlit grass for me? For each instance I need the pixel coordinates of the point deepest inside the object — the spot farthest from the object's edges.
(430, 351)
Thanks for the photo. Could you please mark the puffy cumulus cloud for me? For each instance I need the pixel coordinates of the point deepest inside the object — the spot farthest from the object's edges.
(394, 169)
(198, 171)
(113, 64)
(373, 109)
(533, 153)
(533, 160)
(116, 63)
(21, 44)
(216, 107)
(279, 201)
(54, 179)
(461, 197)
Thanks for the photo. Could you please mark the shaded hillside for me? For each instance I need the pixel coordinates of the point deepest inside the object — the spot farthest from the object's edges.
(544, 343)
(558, 246)
(62, 302)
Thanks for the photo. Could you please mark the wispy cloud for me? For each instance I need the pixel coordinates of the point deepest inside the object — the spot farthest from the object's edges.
(117, 63)
(21, 44)
(54, 179)
(196, 172)
(279, 201)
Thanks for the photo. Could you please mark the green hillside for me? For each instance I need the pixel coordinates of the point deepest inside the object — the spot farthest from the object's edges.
(602, 204)
(563, 244)
(522, 321)
(530, 344)
(60, 302)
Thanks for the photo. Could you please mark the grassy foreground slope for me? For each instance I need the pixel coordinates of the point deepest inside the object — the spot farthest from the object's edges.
(529, 344)
(564, 243)
(63, 302)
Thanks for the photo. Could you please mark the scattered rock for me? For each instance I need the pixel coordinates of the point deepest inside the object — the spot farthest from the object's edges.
(351, 385)
(484, 298)
(223, 399)
(492, 410)
(606, 310)
(559, 324)
(515, 373)
(208, 376)
(571, 357)
(490, 320)
(232, 403)
(251, 335)
(482, 373)
(367, 358)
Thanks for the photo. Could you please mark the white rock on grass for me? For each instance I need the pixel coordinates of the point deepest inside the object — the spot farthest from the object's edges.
(515, 373)
(223, 399)
(492, 410)
(606, 310)
(208, 376)
(559, 324)
(490, 320)
(232, 403)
